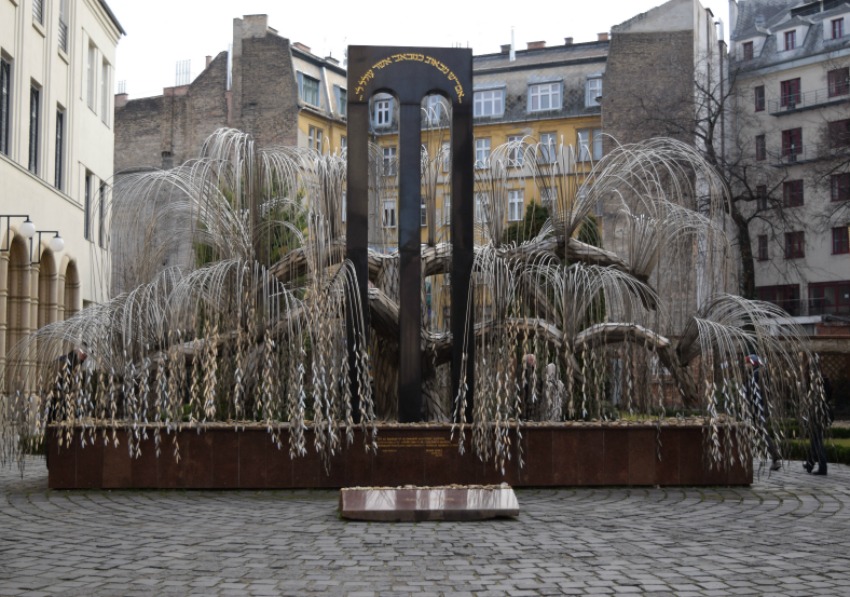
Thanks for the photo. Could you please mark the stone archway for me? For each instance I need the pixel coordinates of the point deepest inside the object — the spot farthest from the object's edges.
(72, 302)
(47, 289)
(17, 311)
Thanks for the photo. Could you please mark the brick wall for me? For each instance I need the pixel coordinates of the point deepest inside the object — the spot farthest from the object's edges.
(648, 86)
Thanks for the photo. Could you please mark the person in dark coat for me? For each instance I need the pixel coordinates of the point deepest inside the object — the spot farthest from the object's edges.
(819, 421)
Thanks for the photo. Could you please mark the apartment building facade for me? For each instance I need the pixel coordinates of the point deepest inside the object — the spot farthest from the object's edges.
(56, 136)
(526, 105)
(791, 62)
(277, 91)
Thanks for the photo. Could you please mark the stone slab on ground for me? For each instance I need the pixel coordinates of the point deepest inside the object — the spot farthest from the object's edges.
(413, 504)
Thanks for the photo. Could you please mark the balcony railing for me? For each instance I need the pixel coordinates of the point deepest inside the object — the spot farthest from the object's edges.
(794, 154)
(810, 99)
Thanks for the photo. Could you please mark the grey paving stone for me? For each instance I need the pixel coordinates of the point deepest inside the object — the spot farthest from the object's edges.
(603, 541)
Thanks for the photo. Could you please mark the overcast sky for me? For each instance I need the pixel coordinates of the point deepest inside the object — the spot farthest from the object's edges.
(162, 32)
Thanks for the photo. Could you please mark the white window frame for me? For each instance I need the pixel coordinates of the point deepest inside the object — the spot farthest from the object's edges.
(489, 103)
(423, 212)
(544, 97)
(434, 107)
(515, 152)
(305, 81)
(589, 145)
(382, 112)
(91, 77)
(390, 161)
(105, 96)
(447, 209)
(315, 138)
(341, 96)
(389, 213)
(516, 203)
(548, 148)
(592, 91)
(482, 202)
(482, 152)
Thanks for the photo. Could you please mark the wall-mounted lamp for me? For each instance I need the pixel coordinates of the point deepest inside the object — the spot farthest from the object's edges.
(56, 244)
(26, 229)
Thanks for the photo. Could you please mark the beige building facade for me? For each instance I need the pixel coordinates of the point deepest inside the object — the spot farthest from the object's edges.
(57, 61)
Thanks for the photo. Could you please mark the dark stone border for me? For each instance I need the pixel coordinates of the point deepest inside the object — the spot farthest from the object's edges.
(554, 455)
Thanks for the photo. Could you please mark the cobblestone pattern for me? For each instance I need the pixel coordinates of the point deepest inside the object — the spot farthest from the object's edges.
(786, 535)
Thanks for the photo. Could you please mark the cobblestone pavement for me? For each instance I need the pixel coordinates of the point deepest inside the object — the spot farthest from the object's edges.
(786, 535)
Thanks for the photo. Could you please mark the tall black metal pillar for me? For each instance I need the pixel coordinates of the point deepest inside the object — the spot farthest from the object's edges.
(410, 74)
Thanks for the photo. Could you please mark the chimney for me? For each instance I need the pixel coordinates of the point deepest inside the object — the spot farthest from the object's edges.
(506, 48)
(301, 47)
(602, 36)
(536, 45)
(568, 41)
(208, 60)
(332, 60)
(121, 100)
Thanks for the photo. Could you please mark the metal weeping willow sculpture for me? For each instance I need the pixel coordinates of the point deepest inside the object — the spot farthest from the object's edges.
(248, 325)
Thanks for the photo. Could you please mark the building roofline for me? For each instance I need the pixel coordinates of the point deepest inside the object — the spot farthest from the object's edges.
(112, 16)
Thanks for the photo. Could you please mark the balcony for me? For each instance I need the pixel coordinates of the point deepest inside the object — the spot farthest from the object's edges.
(794, 154)
(807, 101)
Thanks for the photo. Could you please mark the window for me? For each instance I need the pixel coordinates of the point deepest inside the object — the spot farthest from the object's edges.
(389, 213)
(515, 202)
(840, 240)
(435, 108)
(758, 96)
(482, 205)
(761, 148)
(91, 61)
(382, 112)
(589, 144)
(308, 89)
(789, 93)
(341, 96)
(63, 25)
(837, 28)
(101, 217)
(792, 193)
(838, 81)
(786, 297)
(792, 144)
(761, 255)
(829, 298)
(447, 210)
(390, 161)
(790, 40)
(423, 213)
(544, 96)
(548, 148)
(445, 155)
(38, 11)
(482, 153)
(35, 125)
(489, 103)
(87, 197)
(314, 138)
(840, 186)
(5, 104)
(104, 92)
(60, 149)
(515, 150)
(748, 50)
(761, 197)
(839, 133)
(795, 245)
(592, 92)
